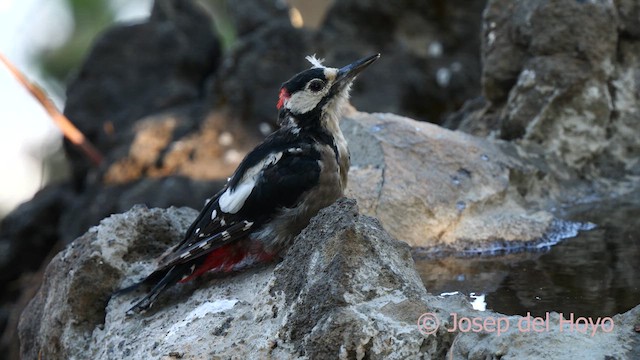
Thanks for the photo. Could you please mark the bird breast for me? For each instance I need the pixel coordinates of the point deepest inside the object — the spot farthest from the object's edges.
(279, 233)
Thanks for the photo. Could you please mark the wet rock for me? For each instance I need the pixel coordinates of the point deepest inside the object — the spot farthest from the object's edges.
(139, 69)
(345, 289)
(436, 188)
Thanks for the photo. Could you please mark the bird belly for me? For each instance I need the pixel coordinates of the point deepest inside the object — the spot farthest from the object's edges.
(278, 234)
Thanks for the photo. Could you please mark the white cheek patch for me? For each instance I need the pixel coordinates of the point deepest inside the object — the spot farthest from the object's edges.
(232, 200)
(303, 101)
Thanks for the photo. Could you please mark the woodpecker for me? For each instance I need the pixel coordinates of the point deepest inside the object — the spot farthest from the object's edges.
(278, 187)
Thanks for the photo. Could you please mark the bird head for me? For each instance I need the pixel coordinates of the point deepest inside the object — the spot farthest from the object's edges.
(319, 91)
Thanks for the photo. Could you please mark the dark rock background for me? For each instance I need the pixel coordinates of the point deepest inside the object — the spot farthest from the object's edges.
(561, 79)
(174, 114)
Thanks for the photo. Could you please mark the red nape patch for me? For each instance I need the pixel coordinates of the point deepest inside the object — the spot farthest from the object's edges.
(284, 95)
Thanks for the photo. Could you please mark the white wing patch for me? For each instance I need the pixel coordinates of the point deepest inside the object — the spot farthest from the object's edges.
(214, 213)
(315, 62)
(232, 200)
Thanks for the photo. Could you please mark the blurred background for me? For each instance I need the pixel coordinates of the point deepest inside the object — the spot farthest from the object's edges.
(46, 40)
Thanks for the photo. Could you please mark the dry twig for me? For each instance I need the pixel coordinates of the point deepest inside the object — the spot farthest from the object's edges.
(69, 130)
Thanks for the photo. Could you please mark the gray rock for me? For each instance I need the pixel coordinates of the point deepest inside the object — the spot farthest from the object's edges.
(345, 289)
(81, 279)
(436, 188)
(343, 276)
(564, 90)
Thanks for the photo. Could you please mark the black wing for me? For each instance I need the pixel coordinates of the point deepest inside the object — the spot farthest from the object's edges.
(276, 185)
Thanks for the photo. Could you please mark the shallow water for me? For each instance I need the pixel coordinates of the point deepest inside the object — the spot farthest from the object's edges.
(593, 274)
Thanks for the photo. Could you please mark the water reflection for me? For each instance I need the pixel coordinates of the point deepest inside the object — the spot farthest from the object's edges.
(593, 274)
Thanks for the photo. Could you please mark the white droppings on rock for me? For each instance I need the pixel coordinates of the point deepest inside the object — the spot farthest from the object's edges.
(209, 307)
(478, 302)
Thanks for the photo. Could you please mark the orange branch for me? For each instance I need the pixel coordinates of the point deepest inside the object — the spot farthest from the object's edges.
(66, 126)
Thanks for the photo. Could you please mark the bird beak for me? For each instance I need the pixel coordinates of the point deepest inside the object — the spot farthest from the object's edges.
(349, 72)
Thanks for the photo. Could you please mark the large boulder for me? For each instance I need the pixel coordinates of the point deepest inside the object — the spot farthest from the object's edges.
(441, 189)
(346, 289)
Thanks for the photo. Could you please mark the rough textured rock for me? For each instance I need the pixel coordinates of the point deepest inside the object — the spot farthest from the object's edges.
(437, 188)
(344, 277)
(555, 84)
(346, 289)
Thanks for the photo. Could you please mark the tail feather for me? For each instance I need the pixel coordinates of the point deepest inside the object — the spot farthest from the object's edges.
(162, 280)
(149, 280)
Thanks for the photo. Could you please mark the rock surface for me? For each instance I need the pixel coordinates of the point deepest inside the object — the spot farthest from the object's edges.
(440, 189)
(562, 89)
(346, 289)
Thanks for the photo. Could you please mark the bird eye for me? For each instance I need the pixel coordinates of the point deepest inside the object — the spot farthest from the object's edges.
(316, 85)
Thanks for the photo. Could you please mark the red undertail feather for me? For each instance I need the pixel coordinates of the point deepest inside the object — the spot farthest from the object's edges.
(231, 257)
